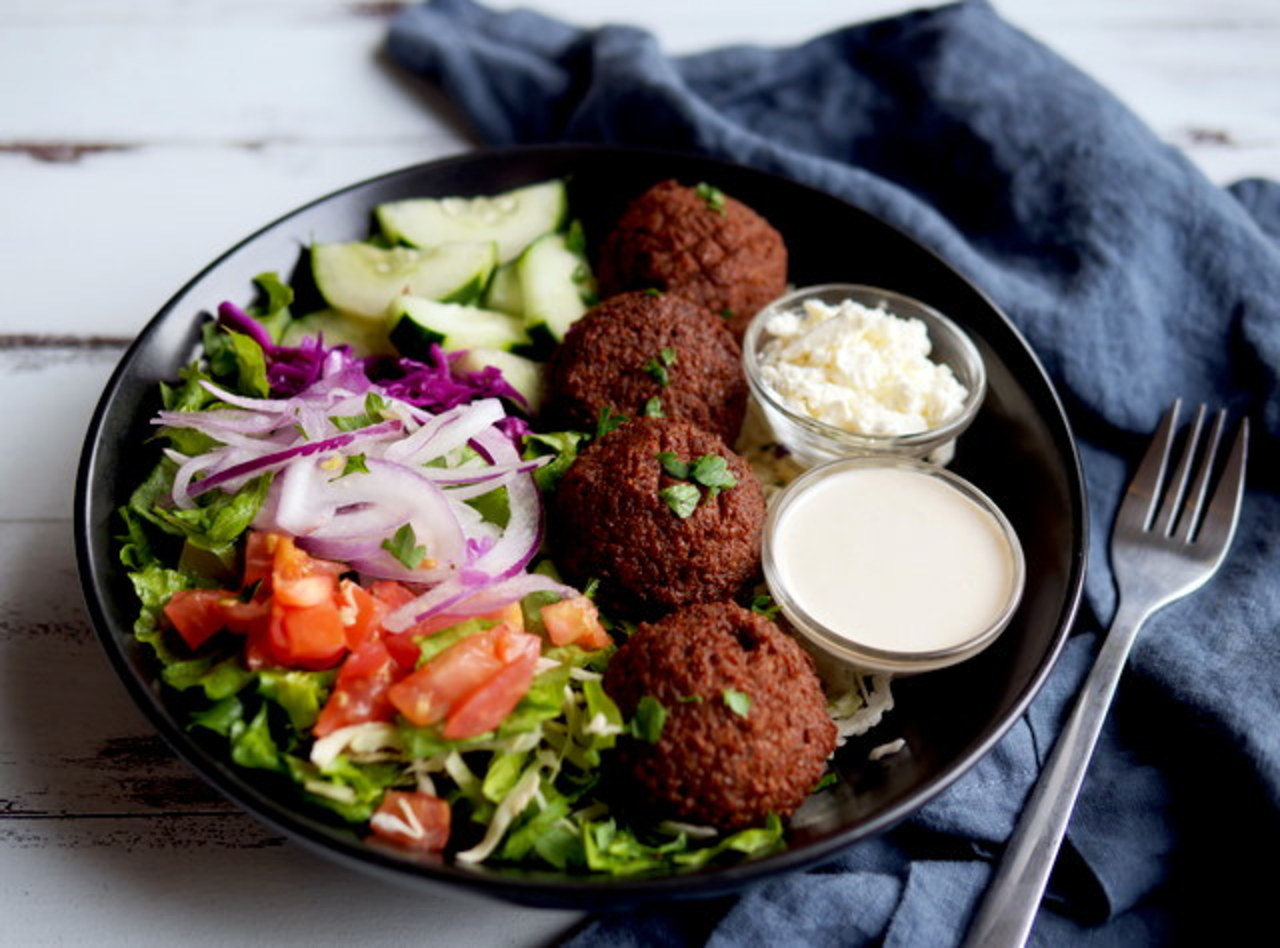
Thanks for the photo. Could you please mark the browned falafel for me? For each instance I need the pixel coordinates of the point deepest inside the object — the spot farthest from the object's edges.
(653, 539)
(700, 243)
(639, 346)
(746, 731)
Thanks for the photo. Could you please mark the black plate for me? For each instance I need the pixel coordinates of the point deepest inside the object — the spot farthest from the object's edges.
(1019, 451)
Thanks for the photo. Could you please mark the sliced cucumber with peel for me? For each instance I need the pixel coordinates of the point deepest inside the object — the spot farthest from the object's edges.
(555, 285)
(416, 324)
(513, 218)
(504, 292)
(365, 337)
(362, 279)
(524, 375)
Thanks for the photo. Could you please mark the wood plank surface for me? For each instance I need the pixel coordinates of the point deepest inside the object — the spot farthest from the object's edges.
(139, 139)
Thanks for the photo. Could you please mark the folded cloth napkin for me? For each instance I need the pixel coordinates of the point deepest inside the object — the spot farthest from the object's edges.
(1135, 280)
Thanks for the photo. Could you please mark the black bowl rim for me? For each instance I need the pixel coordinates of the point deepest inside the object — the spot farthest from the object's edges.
(568, 891)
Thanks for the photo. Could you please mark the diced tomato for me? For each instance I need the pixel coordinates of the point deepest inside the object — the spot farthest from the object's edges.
(430, 693)
(392, 593)
(297, 579)
(484, 709)
(257, 649)
(360, 693)
(246, 618)
(362, 613)
(307, 637)
(404, 645)
(415, 820)
(259, 552)
(575, 621)
(197, 614)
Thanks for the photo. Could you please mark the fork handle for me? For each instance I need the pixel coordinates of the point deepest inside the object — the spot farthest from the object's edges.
(1009, 907)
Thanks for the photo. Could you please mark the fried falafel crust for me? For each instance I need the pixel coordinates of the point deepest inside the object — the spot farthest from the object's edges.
(718, 252)
(613, 357)
(609, 521)
(712, 765)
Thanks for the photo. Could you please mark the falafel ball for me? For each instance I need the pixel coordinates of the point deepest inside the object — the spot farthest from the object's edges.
(698, 242)
(653, 540)
(722, 759)
(638, 346)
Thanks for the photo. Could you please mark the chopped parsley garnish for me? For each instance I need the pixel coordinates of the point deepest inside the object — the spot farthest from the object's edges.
(374, 406)
(650, 717)
(726, 313)
(657, 366)
(653, 408)
(713, 197)
(765, 606)
(828, 779)
(737, 701)
(355, 464)
(591, 588)
(682, 498)
(712, 472)
(690, 699)
(652, 291)
(672, 464)
(404, 547)
(608, 421)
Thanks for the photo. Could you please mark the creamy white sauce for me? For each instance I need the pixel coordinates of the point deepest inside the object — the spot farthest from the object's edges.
(894, 559)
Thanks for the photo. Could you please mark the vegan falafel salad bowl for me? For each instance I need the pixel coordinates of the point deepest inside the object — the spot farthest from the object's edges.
(426, 525)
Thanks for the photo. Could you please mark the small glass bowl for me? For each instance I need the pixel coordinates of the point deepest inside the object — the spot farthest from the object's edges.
(832, 644)
(812, 441)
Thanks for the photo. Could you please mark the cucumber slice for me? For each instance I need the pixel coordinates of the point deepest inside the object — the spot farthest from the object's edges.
(416, 324)
(555, 282)
(504, 293)
(364, 336)
(362, 279)
(524, 375)
(513, 218)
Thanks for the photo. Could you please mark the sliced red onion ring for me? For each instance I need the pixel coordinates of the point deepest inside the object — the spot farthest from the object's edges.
(305, 449)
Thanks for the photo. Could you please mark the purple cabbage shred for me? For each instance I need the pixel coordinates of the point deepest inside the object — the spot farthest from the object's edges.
(436, 386)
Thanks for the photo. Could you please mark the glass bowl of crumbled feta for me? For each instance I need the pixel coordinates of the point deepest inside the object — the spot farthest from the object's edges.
(844, 370)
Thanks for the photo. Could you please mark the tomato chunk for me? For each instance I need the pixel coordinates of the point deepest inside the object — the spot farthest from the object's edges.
(404, 645)
(430, 693)
(197, 614)
(360, 693)
(415, 820)
(362, 614)
(307, 637)
(259, 553)
(575, 621)
(299, 580)
(484, 709)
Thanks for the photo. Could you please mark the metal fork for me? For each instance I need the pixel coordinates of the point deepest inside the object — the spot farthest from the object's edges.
(1165, 545)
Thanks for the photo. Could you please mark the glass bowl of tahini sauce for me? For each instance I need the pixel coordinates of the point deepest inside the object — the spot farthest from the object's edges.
(892, 564)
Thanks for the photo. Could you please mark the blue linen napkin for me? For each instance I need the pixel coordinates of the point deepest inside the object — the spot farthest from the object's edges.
(1136, 280)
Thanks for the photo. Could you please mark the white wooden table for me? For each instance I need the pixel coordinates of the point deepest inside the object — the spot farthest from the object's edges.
(141, 138)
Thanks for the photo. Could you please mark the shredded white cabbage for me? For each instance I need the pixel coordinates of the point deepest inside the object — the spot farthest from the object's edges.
(881, 751)
(861, 708)
(513, 804)
(358, 739)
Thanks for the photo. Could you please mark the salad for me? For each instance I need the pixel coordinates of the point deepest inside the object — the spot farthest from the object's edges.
(339, 562)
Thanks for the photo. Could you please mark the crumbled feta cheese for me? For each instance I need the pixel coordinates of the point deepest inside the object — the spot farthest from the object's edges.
(865, 371)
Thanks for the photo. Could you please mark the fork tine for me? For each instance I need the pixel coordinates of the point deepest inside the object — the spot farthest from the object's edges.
(1173, 494)
(1189, 522)
(1224, 508)
(1144, 490)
